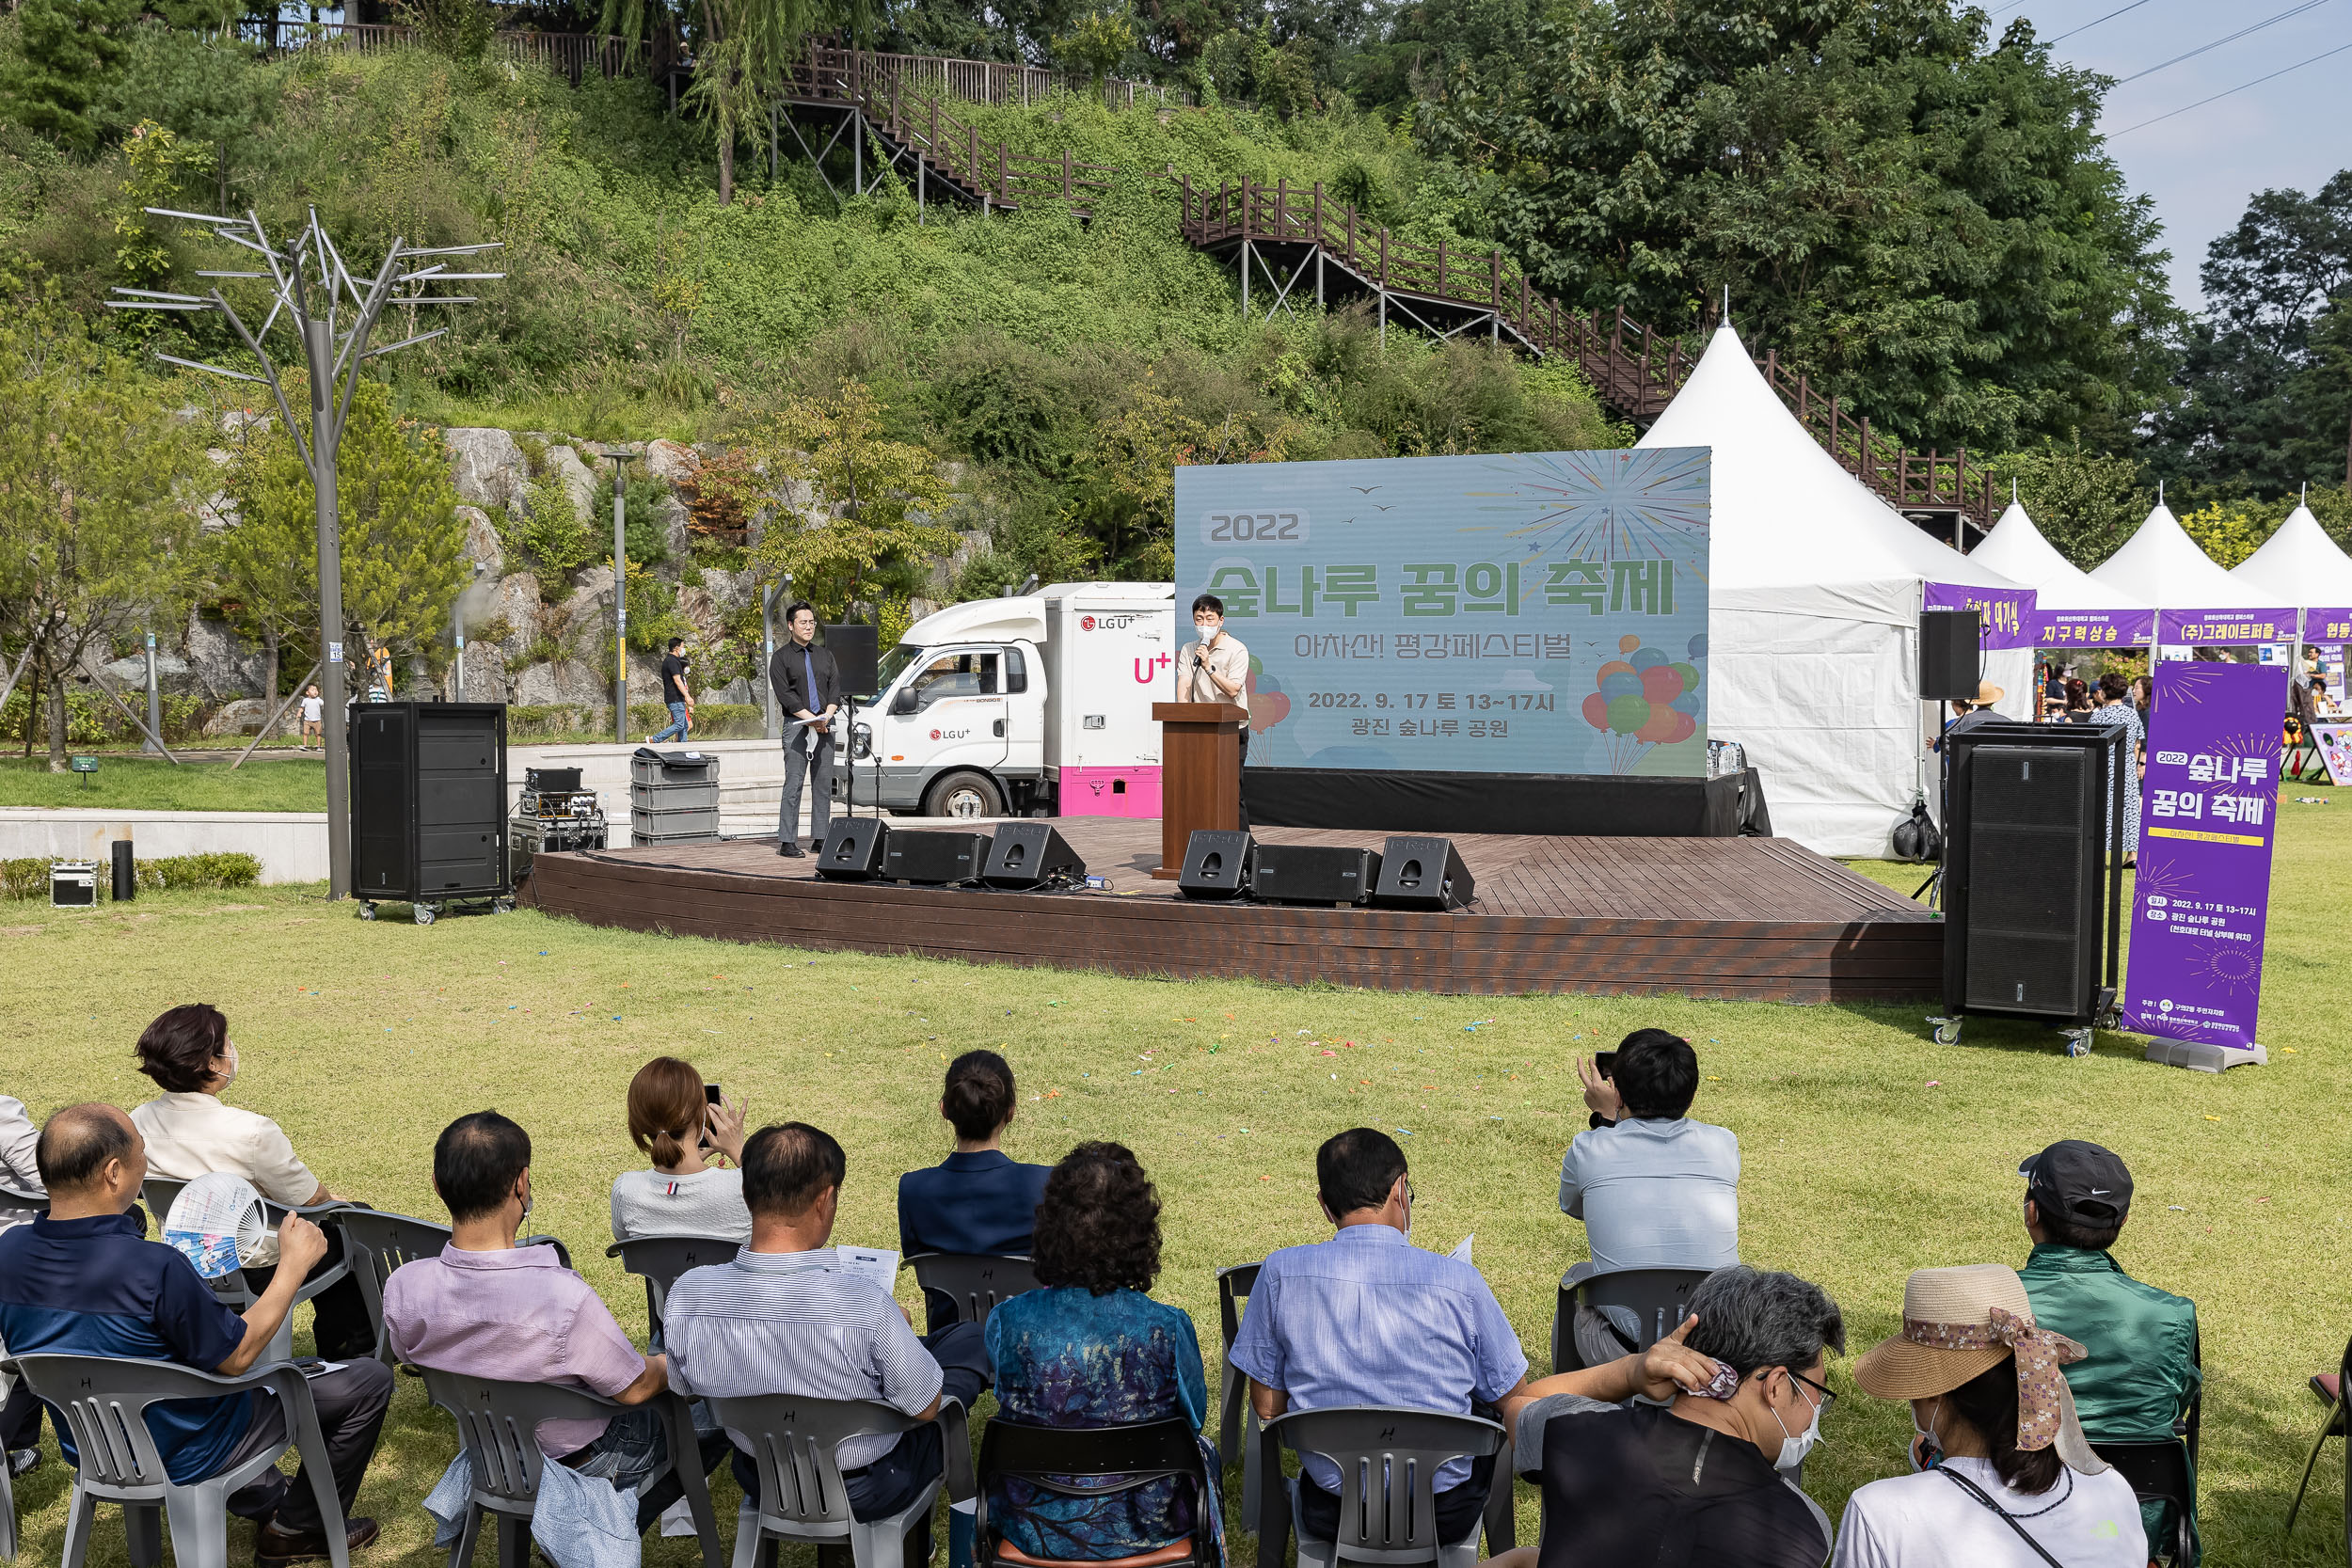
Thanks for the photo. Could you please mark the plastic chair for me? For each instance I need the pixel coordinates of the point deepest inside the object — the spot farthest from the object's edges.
(497, 1428)
(1660, 1298)
(104, 1402)
(2330, 1391)
(1051, 1458)
(377, 1243)
(1237, 1419)
(1387, 1460)
(2159, 1471)
(11, 1197)
(659, 1259)
(802, 1496)
(971, 1283)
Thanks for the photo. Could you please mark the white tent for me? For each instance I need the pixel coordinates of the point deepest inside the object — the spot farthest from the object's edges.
(1814, 593)
(2161, 565)
(2299, 566)
(2015, 548)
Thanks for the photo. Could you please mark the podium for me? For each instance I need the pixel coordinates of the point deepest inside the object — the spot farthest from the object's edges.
(1200, 775)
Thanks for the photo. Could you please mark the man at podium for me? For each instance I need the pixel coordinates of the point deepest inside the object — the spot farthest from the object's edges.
(1217, 668)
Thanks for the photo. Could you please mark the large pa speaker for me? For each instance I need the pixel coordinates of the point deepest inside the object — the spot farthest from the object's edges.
(1423, 874)
(1313, 874)
(856, 650)
(428, 800)
(2024, 824)
(1217, 865)
(934, 857)
(1948, 656)
(1028, 854)
(853, 850)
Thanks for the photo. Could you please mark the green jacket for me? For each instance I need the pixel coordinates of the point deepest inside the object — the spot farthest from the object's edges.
(2141, 1370)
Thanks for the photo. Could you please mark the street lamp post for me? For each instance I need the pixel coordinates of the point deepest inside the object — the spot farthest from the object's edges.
(330, 315)
(620, 457)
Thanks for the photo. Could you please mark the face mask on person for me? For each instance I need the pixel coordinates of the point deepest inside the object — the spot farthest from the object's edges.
(1928, 1452)
(229, 1054)
(526, 1213)
(1795, 1445)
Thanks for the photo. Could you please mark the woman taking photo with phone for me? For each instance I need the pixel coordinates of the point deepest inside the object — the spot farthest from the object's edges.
(675, 1118)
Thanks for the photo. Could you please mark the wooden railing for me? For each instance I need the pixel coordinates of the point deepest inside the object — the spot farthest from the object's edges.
(839, 74)
(573, 55)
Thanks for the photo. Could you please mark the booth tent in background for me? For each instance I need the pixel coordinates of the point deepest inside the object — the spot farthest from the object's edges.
(2300, 565)
(1813, 624)
(2198, 604)
(2071, 608)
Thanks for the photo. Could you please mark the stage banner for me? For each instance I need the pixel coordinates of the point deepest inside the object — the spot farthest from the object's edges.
(2202, 896)
(2004, 615)
(2334, 742)
(2327, 625)
(2093, 628)
(2223, 628)
(1528, 612)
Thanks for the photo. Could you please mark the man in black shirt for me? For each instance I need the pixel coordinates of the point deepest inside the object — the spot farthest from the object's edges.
(675, 693)
(808, 687)
(1706, 1479)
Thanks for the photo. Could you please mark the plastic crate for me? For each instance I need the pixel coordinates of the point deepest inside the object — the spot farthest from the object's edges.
(673, 827)
(670, 769)
(685, 797)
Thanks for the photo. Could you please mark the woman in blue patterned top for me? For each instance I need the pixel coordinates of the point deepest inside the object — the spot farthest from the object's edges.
(2115, 709)
(1091, 1350)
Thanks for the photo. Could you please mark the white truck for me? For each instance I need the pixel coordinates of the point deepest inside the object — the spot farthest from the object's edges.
(1040, 704)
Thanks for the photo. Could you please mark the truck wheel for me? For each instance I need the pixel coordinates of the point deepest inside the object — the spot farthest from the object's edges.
(965, 794)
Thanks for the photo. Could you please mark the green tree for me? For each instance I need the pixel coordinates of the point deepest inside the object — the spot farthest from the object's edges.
(1930, 225)
(1097, 41)
(58, 78)
(210, 89)
(2085, 504)
(742, 50)
(2228, 533)
(98, 527)
(878, 495)
(403, 547)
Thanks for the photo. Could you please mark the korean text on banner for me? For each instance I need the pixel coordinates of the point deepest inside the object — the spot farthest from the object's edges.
(2208, 809)
(2327, 625)
(1523, 612)
(2005, 615)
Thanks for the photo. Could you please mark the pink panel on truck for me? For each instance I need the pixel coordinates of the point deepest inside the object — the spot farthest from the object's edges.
(1111, 792)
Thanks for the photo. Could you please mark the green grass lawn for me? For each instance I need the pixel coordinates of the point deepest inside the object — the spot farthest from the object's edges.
(132, 782)
(1868, 1150)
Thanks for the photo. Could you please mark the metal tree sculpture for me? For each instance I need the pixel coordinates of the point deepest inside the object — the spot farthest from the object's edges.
(330, 315)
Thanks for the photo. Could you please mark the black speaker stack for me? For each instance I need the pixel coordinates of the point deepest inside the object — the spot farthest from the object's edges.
(1409, 872)
(428, 804)
(2033, 816)
(1018, 857)
(1949, 667)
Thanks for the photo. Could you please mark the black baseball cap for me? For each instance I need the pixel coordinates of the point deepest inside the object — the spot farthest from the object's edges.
(2079, 1183)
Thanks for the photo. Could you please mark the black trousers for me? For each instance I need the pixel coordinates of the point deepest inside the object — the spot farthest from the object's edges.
(351, 1406)
(1458, 1509)
(341, 1327)
(20, 1418)
(881, 1488)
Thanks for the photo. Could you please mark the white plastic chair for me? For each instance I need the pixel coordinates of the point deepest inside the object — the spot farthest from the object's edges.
(1387, 1461)
(802, 1496)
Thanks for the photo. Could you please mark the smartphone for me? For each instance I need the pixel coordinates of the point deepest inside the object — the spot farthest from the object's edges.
(1605, 1062)
(710, 1093)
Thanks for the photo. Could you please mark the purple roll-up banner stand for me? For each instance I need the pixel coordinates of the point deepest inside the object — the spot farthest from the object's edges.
(2004, 615)
(2208, 807)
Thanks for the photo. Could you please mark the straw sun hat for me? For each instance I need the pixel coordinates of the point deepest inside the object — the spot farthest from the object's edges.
(1987, 694)
(1961, 1321)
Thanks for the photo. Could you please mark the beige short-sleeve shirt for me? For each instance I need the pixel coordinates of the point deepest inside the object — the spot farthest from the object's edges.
(1228, 658)
(190, 1134)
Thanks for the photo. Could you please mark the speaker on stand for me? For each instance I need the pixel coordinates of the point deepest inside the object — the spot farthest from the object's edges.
(856, 650)
(1950, 671)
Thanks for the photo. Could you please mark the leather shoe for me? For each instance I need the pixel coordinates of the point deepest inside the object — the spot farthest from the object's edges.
(790, 848)
(274, 1547)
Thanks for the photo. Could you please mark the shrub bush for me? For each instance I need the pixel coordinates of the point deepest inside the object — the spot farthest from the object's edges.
(28, 878)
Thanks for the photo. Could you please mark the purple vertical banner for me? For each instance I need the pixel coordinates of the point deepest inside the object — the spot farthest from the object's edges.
(2004, 615)
(2208, 806)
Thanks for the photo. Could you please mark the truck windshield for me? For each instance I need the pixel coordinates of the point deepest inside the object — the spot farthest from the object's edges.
(894, 663)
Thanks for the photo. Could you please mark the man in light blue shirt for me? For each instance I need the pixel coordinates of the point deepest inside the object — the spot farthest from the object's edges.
(1655, 1189)
(1368, 1319)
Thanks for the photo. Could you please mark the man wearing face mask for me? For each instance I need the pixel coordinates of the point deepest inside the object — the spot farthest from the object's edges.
(491, 1307)
(191, 1131)
(1709, 1477)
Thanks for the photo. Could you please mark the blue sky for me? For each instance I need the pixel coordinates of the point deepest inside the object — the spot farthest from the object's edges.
(2202, 166)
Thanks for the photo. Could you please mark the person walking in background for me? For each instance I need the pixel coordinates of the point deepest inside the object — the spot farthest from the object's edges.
(808, 685)
(2116, 711)
(676, 693)
(313, 720)
(673, 1119)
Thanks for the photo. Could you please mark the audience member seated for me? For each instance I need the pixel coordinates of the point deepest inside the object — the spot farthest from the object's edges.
(82, 1280)
(670, 1116)
(1368, 1319)
(787, 1316)
(2139, 1370)
(978, 1199)
(189, 1132)
(1091, 1350)
(2006, 1477)
(20, 1412)
(1655, 1189)
(486, 1308)
(1651, 1484)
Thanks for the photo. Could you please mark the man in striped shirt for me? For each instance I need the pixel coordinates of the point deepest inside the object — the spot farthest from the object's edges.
(786, 1317)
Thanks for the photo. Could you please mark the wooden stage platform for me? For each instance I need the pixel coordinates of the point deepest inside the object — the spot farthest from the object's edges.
(1754, 918)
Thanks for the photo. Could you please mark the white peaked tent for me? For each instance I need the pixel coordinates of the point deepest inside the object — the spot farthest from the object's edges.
(1814, 593)
(2299, 566)
(2016, 549)
(2160, 565)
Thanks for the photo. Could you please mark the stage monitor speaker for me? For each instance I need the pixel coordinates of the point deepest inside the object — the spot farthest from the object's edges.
(2024, 935)
(428, 800)
(1423, 874)
(1217, 865)
(1313, 874)
(934, 857)
(1948, 656)
(1029, 854)
(853, 850)
(856, 650)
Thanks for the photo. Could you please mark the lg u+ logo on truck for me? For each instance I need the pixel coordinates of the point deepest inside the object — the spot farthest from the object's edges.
(1106, 623)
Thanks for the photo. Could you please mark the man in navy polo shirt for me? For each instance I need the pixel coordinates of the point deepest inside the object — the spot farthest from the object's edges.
(82, 1280)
